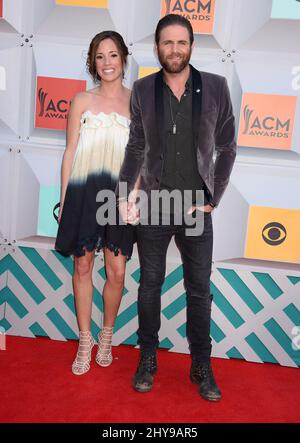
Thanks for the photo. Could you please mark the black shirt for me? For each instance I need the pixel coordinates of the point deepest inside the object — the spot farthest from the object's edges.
(180, 163)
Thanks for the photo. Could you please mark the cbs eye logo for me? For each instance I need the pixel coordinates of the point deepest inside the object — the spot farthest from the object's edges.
(274, 234)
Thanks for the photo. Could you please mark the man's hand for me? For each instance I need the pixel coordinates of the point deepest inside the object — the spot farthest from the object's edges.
(206, 208)
(133, 214)
(129, 212)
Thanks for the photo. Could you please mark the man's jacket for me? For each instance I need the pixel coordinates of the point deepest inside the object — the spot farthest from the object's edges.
(213, 131)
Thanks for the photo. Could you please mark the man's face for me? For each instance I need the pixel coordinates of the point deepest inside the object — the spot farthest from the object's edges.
(174, 49)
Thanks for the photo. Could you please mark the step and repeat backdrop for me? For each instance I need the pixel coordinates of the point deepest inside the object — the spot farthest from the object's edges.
(256, 273)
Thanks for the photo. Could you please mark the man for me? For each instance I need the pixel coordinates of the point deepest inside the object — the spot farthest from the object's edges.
(179, 115)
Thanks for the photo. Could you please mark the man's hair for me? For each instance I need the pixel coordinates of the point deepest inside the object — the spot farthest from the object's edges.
(173, 19)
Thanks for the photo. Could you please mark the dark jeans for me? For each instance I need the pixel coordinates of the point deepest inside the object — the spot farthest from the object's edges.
(196, 254)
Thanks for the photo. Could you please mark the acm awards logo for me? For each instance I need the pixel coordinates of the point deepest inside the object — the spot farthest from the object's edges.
(53, 99)
(267, 121)
(52, 110)
(199, 12)
(267, 126)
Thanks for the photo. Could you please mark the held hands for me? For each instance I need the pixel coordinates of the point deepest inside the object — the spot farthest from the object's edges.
(129, 212)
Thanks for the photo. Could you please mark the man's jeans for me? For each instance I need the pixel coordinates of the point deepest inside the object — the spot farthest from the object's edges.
(196, 254)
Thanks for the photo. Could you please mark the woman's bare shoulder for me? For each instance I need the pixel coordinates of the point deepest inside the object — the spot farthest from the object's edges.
(81, 100)
(80, 97)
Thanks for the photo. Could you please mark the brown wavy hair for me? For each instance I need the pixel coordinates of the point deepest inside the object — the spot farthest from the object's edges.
(91, 58)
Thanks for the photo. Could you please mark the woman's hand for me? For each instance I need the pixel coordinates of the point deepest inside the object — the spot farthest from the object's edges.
(60, 212)
(129, 212)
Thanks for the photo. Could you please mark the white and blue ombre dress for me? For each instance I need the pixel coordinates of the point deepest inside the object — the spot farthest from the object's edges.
(96, 166)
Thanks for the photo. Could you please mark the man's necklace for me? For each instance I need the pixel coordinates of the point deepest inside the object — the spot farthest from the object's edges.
(172, 118)
(174, 128)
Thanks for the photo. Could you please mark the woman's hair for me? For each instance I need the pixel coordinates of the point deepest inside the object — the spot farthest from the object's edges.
(91, 58)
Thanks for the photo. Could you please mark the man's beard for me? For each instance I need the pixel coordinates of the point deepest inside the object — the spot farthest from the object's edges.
(171, 67)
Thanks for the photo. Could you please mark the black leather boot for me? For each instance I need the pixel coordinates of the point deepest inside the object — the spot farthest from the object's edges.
(143, 378)
(202, 375)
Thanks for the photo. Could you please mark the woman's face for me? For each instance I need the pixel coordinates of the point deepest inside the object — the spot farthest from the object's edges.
(108, 61)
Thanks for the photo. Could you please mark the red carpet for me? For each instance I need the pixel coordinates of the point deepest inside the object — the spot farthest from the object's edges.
(37, 386)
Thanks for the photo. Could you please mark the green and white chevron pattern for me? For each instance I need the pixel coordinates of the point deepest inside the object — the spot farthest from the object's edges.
(254, 310)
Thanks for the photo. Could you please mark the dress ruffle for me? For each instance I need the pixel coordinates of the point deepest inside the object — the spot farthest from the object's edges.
(94, 121)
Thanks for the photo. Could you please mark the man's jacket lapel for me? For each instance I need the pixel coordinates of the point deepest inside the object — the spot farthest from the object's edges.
(159, 108)
(197, 103)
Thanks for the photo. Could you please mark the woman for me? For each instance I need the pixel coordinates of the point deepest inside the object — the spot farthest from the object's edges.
(97, 134)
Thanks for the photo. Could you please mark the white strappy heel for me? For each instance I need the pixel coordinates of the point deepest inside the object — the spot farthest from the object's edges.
(104, 356)
(81, 364)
